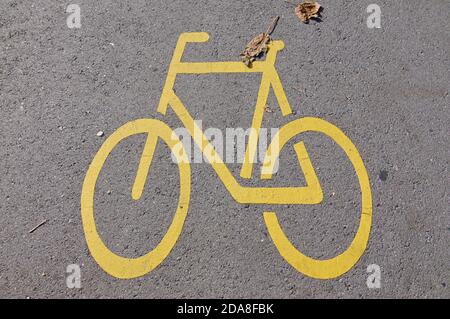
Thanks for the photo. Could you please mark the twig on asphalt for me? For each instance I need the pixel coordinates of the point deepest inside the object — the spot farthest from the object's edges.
(272, 25)
(36, 227)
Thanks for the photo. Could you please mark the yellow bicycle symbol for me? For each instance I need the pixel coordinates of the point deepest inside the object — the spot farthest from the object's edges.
(122, 267)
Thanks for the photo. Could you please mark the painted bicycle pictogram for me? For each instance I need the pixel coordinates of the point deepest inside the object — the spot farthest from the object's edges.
(311, 194)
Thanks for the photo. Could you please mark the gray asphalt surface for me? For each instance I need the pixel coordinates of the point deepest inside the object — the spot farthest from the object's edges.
(387, 89)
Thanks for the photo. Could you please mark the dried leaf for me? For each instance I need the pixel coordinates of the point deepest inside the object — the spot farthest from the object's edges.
(307, 10)
(254, 48)
(258, 45)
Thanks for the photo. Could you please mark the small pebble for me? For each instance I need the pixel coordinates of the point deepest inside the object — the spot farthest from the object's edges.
(100, 133)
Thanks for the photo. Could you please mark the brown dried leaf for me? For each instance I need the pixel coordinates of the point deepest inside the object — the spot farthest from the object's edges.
(258, 45)
(254, 48)
(268, 109)
(307, 10)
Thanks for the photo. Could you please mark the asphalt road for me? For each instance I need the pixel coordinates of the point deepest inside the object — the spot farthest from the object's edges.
(386, 88)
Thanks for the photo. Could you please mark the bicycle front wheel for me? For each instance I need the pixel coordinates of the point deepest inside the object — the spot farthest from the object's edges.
(113, 264)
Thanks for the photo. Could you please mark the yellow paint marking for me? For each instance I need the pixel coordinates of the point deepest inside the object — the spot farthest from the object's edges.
(144, 166)
(250, 152)
(155, 130)
(113, 264)
(334, 267)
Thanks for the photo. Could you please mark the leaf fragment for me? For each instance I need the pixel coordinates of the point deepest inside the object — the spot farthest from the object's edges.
(254, 48)
(258, 45)
(307, 10)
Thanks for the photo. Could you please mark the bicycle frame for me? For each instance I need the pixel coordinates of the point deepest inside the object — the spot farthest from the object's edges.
(309, 194)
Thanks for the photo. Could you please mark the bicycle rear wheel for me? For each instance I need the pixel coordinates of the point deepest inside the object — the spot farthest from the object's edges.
(113, 264)
(337, 266)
